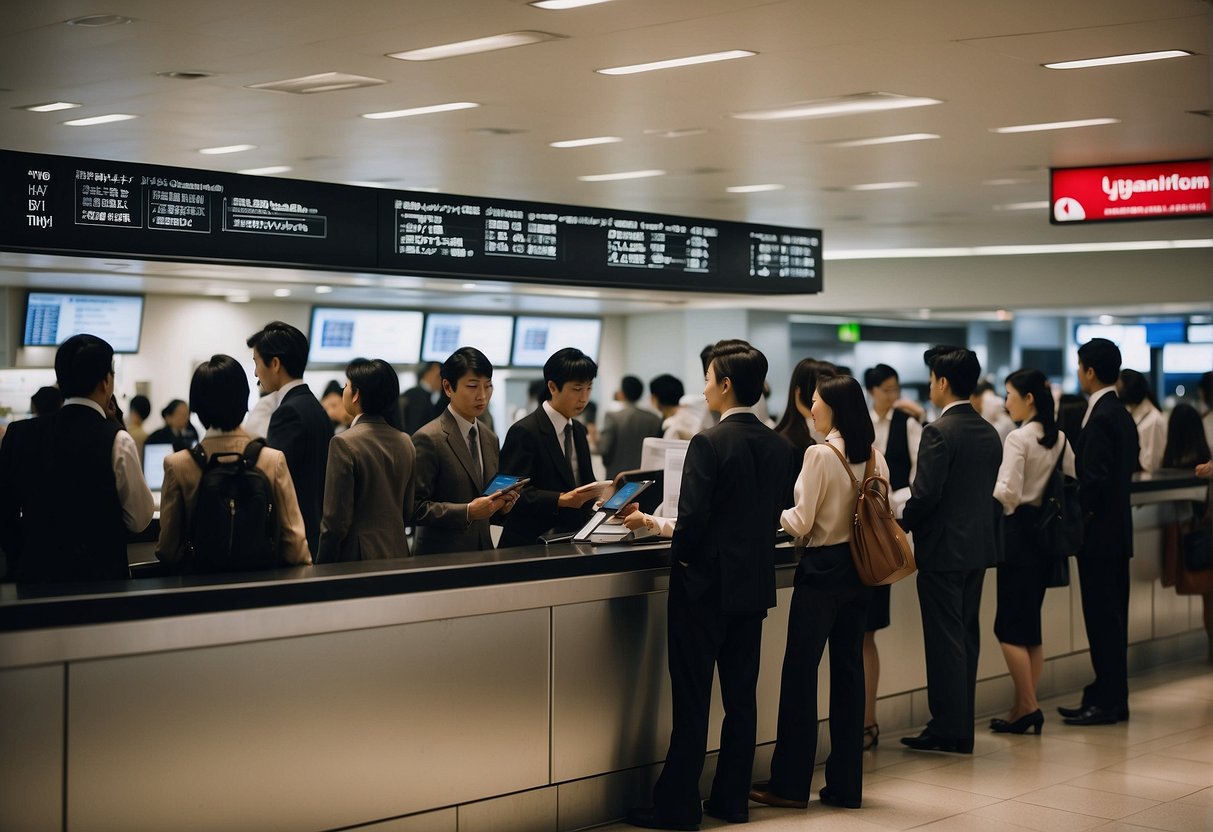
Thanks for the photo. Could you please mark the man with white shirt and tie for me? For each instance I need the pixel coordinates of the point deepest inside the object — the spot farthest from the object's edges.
(550, 446)
(457, 456)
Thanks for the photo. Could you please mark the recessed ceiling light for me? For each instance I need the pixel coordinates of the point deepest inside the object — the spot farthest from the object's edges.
(87, 122)
(564, 4)
(49, 108)
(867, 102)
(324, 290)
(904, 137)
(229, 148)
(1023, 206)
(754, 189)
(96, 21)
(586, 142)
(676, 134)
(690, 60)
(469, 285)
(266, 171)
(628, 174)
(1119, 59)
(1055, 125)
(492, 43)
(1106, 320)
(882, 186)
(421, 111)
(282, 293)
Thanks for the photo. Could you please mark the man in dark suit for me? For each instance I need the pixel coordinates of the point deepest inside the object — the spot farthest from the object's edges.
(177, 430)
(625, 430)
(299, 427)
(71, 485)
(457, 456)
(422, 404)
(957, 536)
(1105, 458)
(735, 481)
(549, 445)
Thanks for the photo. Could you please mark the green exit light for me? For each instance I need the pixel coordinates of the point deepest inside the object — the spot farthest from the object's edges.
(848, 333)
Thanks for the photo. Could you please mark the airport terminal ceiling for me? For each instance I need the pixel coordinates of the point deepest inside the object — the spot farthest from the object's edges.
(934, 176)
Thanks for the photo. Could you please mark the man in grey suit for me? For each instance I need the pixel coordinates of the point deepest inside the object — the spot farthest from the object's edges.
(624, 431)
(457, 456)
(957, 536)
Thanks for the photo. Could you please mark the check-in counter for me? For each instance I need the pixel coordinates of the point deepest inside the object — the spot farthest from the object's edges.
(523, 688)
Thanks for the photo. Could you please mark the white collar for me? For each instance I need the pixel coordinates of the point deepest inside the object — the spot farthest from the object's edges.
(87, 402)
(464, 425)
(558, 419)
(733, 411)
(1096, 396)
(948, 407)
(290, 385)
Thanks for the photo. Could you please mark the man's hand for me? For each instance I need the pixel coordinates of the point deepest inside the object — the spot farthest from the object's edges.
(484, 507)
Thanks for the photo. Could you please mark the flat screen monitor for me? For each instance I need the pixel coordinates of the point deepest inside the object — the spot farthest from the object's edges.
(445, 333)
(339, 335)
(153, 463)
(1131, 338)
(535, 339)
(53, 317)
(1187, 359)
(1200, 333)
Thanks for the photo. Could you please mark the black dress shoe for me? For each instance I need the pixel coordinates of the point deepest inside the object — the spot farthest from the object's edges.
(1122, 713)
(649, 819)
(926, 741)
(1028, 722)
(709, 809)
(1092, 715)
(830, 799)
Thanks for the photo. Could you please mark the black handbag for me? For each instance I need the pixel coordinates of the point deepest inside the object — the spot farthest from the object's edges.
(1196, 547)
(1059, 526)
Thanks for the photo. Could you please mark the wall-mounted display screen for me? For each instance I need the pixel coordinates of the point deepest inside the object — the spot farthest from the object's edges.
(52, 317)
(445, 333)
(340, 335)
(535, 338)
(1182, 359)
(1131, 338)
(1106, 193)
(127, 209)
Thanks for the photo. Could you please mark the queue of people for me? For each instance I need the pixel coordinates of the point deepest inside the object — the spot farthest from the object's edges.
(969, 498)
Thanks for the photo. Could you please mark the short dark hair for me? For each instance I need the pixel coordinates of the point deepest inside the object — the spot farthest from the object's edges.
(873, 377)
(219, 393)
(141, 405)
(284, 342)
(632, 387)
(81, 363)
(425, 366)
(705, 357)
(376, 383)
(538, 390)
(957, 364)
(982, 387)
(168, 409)
(463, 361)
(1102, 356)
(334, 386)
(1134, 387)
(568, 364)
(1030, 381)
(844, 396)
(46, 400)
(1186, 445)
(666, 389)
(742, 364)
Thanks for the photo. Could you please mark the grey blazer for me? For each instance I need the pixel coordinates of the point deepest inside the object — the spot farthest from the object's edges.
(447, 482)
(623, 435)
(368, 493)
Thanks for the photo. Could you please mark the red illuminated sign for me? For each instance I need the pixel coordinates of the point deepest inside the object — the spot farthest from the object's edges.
(1160, 190)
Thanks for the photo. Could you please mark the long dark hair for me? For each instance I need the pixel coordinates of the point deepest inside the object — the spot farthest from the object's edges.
(792, 426)
(1033, 382)
(1186, 445)
(844, 395)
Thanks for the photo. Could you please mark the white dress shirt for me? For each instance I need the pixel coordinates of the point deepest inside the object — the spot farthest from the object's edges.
(1151, 433)
(1096, 396)
(133, 493)
(825, 496)
(559, 420)
(882, 425)
(1027, 466)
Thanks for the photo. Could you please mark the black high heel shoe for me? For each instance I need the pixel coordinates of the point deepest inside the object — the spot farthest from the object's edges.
(1034, 721)
(871, 736)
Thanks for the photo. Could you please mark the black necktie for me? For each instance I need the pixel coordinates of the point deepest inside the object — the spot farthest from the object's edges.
(570, 453)
(474, 449)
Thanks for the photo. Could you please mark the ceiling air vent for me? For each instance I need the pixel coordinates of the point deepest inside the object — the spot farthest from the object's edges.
(185, 74)
(323, 82)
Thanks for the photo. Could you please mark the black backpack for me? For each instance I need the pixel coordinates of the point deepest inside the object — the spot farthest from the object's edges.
(1059, 526)
(235, 523)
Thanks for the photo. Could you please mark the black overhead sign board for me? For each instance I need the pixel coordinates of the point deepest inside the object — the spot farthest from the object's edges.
(88, 207)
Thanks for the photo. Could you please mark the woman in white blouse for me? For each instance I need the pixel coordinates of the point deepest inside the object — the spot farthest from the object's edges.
(1028, 459)
(829, 604)
(1134, 391)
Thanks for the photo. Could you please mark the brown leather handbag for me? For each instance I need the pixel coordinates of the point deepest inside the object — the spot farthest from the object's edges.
(879, 547)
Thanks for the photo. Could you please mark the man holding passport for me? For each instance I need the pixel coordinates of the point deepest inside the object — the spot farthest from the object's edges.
(549, 446)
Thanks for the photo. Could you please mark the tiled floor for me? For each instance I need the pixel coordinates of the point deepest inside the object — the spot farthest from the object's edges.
(1154, 772)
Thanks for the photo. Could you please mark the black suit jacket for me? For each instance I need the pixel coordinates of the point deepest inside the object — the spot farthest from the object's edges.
(301, 429)
(735, 482)
(165, 436)
(956, 521)
(417, 409)
(1105, 458)
(533, 450)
